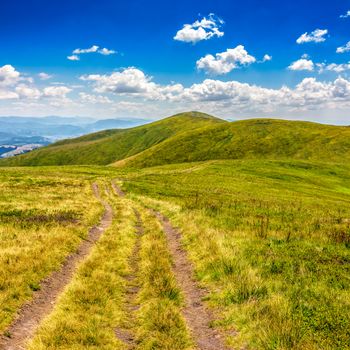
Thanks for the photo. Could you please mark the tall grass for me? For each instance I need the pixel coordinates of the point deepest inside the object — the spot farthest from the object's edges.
(90, 309)
(43, 218)
(160, 324)
(270, 242)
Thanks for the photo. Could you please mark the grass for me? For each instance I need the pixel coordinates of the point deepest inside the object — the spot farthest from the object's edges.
(92, 306)
(43, 218)
(270, 240)
(109, 146)
(160, 323)
(264, 209)
(250, 139)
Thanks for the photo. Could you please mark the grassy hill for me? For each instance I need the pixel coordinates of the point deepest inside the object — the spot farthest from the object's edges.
(194, 136)
(255, 138)
(106, 147)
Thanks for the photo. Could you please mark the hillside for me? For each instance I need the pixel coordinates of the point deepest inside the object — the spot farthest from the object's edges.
(106, 147)
(255, 138)
(194, 136)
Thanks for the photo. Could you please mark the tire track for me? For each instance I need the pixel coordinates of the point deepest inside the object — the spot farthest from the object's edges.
(197, 317)
(43, 301)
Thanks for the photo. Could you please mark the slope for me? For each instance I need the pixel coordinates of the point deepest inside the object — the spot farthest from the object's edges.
(109, 146)
(255, 138)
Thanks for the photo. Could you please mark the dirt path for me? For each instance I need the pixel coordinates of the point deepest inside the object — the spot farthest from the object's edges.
(196, 315)
(117, 190)
(43, 302)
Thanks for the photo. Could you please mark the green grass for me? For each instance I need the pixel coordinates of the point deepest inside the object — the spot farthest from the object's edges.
(43, 218)
(264, 209)
(91, 308)
(160, 324)
(270, 240)
(256, 138)
(109, 146)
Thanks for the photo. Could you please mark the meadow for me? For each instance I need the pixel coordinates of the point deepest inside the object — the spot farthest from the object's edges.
(266, 232)
(270, 240)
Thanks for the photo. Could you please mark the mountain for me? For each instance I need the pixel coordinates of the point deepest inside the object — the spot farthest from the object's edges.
(195, 136)
(255, 138)
(106, 147)
(57, 128)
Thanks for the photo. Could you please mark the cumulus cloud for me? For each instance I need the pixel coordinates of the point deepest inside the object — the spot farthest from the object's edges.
(317, 36)
(8, 75)
(93, 49)
(44, 76)
(334, 67)
(302, 64)
(309, 94)
(203, 29)
(344, 48)
(267, 58)
(14, 85)
(73, 58)
(106, 52)
(346, 15)
(225, 62)
(130, 81)
(56, 91)
(94, 99)
(8, 95)
(25, 91)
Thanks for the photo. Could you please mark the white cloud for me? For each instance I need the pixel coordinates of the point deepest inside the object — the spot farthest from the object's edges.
(106, 52)
(302, 64)
(7, 95)
(317, 36)
(347, 14)
(338, 68)
(94, 99)
(309, 94)
(225, 62)
(138, 94)
(73, 58)
(8, 75)
(44, 76)
(56, 91)
(267, 58)
(204, 29)
(93, 48)
(24, 91)
(131, 81)
(344, 48)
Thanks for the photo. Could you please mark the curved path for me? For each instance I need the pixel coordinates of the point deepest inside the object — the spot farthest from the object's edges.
(43, 302)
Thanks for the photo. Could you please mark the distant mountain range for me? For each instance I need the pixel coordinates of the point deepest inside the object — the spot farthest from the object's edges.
(26, 133)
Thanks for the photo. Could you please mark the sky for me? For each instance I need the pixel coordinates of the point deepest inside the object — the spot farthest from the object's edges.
(151, 59)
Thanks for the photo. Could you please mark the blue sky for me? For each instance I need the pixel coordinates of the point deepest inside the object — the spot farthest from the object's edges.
(154, 58)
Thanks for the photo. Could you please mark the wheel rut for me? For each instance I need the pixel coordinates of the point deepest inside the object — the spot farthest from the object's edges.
(43, 301)
(197, 316)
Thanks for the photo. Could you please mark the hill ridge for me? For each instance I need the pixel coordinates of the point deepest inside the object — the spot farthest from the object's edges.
(105, 147)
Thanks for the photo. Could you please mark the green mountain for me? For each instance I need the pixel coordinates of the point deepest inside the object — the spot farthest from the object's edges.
(106, 147)
(255, 138)
(195, 136)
